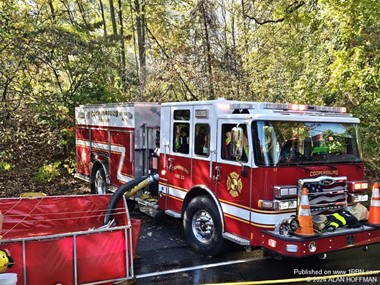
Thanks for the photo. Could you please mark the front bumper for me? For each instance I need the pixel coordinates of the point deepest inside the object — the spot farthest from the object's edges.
(340, 239)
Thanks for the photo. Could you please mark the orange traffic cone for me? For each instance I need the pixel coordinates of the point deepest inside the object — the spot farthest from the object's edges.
(374, 210)
(304, 216)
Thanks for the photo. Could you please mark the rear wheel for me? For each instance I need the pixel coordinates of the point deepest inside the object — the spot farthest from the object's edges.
(99, 183)
(202, 226)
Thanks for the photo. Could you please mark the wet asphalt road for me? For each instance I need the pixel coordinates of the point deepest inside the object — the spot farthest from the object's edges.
(164, 257)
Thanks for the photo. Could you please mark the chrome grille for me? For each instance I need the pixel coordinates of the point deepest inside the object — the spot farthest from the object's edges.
(326, 194)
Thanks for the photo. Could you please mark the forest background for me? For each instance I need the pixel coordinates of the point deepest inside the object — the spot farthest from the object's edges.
(58, 54)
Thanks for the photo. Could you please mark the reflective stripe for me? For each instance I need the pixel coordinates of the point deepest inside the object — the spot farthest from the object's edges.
(340, 218)
(239, 212)
(304, 210)
(333, 224)
(106, 147)
(375, 203)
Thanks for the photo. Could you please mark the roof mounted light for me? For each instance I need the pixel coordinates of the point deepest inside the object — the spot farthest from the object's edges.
(241, 106)
(330, 109)
(275, 106)
(303, 108)
(298, 107)
(223, 106)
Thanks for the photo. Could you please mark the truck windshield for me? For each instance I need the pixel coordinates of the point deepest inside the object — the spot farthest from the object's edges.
(292, 143)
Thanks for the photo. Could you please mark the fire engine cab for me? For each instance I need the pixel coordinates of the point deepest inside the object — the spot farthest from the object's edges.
(232, 170)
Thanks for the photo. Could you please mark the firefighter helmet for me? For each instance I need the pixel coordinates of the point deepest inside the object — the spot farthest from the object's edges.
(289, 226)
(6, 260)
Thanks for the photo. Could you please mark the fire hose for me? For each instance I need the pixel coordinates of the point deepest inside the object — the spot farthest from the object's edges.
(132, 187)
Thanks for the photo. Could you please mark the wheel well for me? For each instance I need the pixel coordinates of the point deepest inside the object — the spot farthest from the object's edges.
(198, 191)
(95, 166)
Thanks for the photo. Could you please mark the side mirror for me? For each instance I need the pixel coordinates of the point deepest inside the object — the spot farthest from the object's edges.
(237, 140)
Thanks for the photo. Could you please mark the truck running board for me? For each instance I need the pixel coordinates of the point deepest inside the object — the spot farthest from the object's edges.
(173, 214)
(236, 239)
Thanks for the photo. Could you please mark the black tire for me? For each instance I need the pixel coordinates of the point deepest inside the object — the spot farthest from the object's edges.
(99, 181)
(272, 254)
(203, 226)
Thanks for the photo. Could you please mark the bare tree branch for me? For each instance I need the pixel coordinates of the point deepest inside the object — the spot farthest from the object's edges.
(168, 57)
(289, 10)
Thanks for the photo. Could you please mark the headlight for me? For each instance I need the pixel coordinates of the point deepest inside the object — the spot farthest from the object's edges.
(357, 186)
(355, 198)
(284, 191)
(284, 204)
(281, 205)
(277, 204)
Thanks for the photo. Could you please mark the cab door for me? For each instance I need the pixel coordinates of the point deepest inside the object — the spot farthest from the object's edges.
(179, 158)
(233, 179)
(204, 148)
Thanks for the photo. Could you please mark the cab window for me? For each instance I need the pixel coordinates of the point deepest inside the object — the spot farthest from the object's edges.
(226, 143)
(181, 138)
(202, 139)
(183, 115)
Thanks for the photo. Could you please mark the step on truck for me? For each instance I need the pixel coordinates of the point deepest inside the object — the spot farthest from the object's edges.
(233, 170)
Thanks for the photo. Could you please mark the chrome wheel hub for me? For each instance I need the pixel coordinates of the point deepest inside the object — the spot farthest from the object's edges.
(202, 226)
(100, 183)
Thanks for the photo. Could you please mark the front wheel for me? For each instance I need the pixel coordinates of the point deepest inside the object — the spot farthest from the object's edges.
(99, 183)
(203, 227)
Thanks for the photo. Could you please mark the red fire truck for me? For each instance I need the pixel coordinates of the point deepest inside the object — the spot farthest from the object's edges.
(230, 169)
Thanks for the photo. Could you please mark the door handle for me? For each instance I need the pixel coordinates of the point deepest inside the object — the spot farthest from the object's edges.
(217, 173)
(170, 164)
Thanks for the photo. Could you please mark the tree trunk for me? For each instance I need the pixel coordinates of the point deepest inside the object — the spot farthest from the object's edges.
(52, 11)
(140, 29)
(82, 12)
(134, 37)
(103, 18)
(67, 6)
(122, 48)
(113, 18)
(245, 56)
(208, 53)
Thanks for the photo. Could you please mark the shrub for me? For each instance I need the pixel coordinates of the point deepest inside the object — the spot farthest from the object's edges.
(48, 173)
(5, 166)
(70, 165)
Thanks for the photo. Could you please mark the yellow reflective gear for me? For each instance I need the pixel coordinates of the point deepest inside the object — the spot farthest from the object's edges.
(341, 219)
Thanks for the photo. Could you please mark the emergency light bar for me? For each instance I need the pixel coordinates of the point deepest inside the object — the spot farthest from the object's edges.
(284, 107)
(242, 106)
(300, 107)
